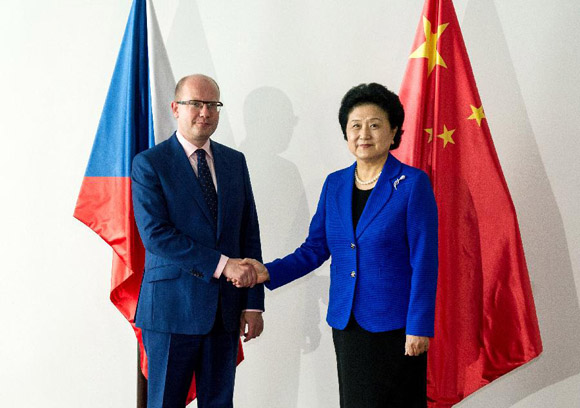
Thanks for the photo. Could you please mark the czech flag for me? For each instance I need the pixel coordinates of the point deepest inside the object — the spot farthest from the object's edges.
(135, 117)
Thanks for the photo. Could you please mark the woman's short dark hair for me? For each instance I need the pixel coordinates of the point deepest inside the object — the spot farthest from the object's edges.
(375, 94)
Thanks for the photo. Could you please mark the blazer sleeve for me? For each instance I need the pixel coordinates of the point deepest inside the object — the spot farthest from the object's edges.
(158, 233)
(250, 240)
(309, 256)
(422, 235)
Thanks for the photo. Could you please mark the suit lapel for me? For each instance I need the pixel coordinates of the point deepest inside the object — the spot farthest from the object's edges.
(187, 177)
(344, 200)
(225, 179)
(380, 194)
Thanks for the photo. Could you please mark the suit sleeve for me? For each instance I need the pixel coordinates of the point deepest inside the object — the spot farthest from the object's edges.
(159, 235)
(309, 256)
(250, 240)
(422, 235)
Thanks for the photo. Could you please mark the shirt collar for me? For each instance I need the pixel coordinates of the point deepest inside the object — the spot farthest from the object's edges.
(190, 148)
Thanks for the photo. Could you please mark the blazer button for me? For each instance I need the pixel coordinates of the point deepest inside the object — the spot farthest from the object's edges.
(352, 274)
(352, 246)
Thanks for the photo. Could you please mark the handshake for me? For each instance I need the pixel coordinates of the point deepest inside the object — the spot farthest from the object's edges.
(244, 273)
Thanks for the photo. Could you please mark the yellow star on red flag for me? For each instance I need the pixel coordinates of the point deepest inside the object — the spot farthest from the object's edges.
(430, 133)
(477, 114)
(429, 48)
(446, 136)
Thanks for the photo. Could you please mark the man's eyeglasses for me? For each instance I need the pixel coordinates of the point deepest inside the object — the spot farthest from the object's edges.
(198, 105)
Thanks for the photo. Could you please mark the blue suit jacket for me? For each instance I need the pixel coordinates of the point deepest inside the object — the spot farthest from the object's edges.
(385, 272)
(183, 247)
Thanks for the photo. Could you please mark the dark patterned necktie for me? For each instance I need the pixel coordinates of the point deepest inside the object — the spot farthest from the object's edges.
(206, 182)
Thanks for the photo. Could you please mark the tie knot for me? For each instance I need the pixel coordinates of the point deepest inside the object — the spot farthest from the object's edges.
(200, 153)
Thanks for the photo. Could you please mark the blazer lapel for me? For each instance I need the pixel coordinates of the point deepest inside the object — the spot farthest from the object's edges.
(380, 194)
(187, 177)
(225, 179)
(344, 200)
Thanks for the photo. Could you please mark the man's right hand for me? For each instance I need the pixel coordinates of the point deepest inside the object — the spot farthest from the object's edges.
(242, 275)
(261, 270)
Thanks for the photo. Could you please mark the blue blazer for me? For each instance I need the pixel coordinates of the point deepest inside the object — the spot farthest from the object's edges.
(385, 272)
(182, 244)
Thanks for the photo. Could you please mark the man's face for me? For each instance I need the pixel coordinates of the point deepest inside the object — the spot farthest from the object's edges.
(196, 124)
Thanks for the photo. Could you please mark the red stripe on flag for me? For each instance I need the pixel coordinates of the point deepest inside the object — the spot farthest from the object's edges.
(105, 206)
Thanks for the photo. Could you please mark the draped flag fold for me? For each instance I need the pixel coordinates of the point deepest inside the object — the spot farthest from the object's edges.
(135, 117)
(485, 324)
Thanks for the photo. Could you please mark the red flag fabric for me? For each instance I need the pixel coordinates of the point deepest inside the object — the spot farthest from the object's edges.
(485, 323)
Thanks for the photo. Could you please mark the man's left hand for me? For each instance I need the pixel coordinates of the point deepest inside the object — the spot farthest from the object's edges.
(251, 325)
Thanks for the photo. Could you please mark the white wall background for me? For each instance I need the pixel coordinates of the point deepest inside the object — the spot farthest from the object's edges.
(283, 67)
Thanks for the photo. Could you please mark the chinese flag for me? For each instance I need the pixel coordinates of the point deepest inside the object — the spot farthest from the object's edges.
(485, 323)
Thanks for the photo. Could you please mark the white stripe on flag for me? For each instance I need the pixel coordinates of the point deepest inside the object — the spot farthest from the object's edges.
(161, 80)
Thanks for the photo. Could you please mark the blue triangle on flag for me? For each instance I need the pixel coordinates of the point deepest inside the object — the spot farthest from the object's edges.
(126, 124)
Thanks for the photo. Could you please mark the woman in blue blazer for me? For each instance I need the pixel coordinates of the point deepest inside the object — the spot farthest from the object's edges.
(377, 219)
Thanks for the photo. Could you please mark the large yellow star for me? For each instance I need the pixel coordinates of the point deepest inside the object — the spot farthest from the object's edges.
(429, 48)
(446, 136)
(430, 133)
(477, 114)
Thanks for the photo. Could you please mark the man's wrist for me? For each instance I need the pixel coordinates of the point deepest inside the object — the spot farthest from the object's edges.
(220, 266)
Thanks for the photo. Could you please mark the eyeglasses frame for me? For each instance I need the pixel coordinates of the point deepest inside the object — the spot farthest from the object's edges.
(210, 104)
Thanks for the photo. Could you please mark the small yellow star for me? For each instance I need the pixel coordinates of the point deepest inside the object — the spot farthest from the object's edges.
(429, 48)
(430, 133)
(477, 114)
(446, 136)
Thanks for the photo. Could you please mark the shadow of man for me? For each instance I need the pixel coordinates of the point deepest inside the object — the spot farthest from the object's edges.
(292, 317)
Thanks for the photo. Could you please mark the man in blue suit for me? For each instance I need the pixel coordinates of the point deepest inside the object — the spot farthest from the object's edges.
(196, 215)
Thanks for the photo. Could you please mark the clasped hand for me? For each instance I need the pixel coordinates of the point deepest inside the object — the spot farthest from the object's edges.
(246, 272)
(240, 274)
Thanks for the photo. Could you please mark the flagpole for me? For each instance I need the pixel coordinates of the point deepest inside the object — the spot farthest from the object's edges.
(141, 383)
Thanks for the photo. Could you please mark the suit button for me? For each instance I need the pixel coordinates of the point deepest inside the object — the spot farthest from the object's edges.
(352, 274)
(352, 246)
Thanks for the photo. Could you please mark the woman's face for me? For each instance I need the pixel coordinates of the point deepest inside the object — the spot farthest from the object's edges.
(368, 133)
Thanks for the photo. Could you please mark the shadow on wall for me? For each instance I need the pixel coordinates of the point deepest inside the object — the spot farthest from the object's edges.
(193, 56)
(541, 224)
(292, 318)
